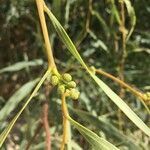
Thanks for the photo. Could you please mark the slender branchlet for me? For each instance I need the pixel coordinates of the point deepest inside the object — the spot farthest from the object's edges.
(144, 97)
(65, 121)
(40, 6)
(122, 84)
(122, 56)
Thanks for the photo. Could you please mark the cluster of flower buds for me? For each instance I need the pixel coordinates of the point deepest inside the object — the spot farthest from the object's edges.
(65, 84)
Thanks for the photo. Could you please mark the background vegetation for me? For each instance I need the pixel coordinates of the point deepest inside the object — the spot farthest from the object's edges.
(96, 31)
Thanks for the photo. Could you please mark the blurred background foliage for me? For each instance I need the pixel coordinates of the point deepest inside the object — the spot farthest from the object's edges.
(93, 26)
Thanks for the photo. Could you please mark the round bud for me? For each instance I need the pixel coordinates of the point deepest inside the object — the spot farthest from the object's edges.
(67, 92)
(74, 94)
(61, 89)
(148, 96)
(72, 84)
(67, 77)
(93, 70)
(54, 80)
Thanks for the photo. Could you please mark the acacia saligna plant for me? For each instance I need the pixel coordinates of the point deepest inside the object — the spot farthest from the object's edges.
(67, 87)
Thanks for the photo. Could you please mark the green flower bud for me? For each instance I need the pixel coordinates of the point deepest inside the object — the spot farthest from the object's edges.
(54, 80)
(93, 70)
(74, 94)
(67, 77)
(147, 96)
(67, 91)
(61, 89)
(72, 84)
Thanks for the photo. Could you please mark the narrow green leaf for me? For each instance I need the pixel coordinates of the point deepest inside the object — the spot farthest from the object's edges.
(113, 96)
(5, 133)
(122, 105)
(67, 11)
(16, 98)
(102, 21)
(100, 43)
(115, 11)
(106, 127)
(140, 49)
(21, 65)
(75, 145)
(64, 37)
(95, 141)
(56, 6)
(131, 13)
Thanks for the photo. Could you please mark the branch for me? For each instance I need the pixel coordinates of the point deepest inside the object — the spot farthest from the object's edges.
(66, 125)
(45, 109)
(38, 129)
(40, 4)
(143, 97)
(122, 83)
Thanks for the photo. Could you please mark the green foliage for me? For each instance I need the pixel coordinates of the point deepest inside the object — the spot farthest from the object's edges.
(113, 96)
(16, 98)
(6, 131)
(21, 65)
(95, 141)
(95, 29)
(131, 13)
(103, 124)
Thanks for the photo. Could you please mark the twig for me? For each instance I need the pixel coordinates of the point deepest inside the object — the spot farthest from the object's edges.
(51, 63)
(45, 109)
(123, 56)
(37, 131)
(65, 122)
(123, 51)
(87, 24)
(122, 83)
(125, 85)
(40, 4)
